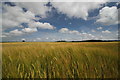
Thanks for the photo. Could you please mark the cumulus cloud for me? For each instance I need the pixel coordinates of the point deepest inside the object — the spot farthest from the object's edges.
(38, 8)
(76, 9)
(23, 39)
(29, 30)
(66, 30)
(83, 35)
(106, 31)
(117, 3)
(99, 28)
(108, 15)
(87, 36)
(59, 0)
(2, 36)
(32, 28)
(13, 16)
(38, 38)
(16, 32)
(41, 25)
(93, 30)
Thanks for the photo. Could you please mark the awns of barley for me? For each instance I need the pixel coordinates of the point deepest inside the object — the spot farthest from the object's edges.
(60, 60)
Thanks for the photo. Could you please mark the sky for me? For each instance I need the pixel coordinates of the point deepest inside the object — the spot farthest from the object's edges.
(54, 21)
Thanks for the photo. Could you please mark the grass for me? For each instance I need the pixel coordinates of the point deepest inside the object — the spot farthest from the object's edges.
(60, 60)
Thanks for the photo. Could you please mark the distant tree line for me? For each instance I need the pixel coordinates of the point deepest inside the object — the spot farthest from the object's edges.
(89, 41)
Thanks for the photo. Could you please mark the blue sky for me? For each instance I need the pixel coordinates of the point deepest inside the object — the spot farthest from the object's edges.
(53, 21)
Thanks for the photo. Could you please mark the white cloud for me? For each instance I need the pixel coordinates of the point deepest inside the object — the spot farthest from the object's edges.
(3, 36)
(86, 36)
(14, 16)
(117, 34)
(47, 38)
(38, 8)
(74, 32)
(118, 3)
(23, 39)
(108, 15)
(82, 35)
(70, 23)
(21, 26)
(60, 0)
(66, 30)
(119, 15)
(99, 28)
(106, 31)
(15, 32)
(29, 30)
(38, 38)
(93, 30)
(76, 9)
(41, 25)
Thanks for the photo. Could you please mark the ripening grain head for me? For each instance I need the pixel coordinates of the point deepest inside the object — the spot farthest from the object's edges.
(60, 60)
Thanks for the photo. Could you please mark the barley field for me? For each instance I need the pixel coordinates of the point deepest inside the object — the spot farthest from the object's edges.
(60, 60)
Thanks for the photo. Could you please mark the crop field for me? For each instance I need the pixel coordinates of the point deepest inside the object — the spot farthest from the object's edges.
(60, 60)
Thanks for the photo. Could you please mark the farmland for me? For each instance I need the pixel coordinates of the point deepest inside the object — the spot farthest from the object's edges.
(60, 60)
